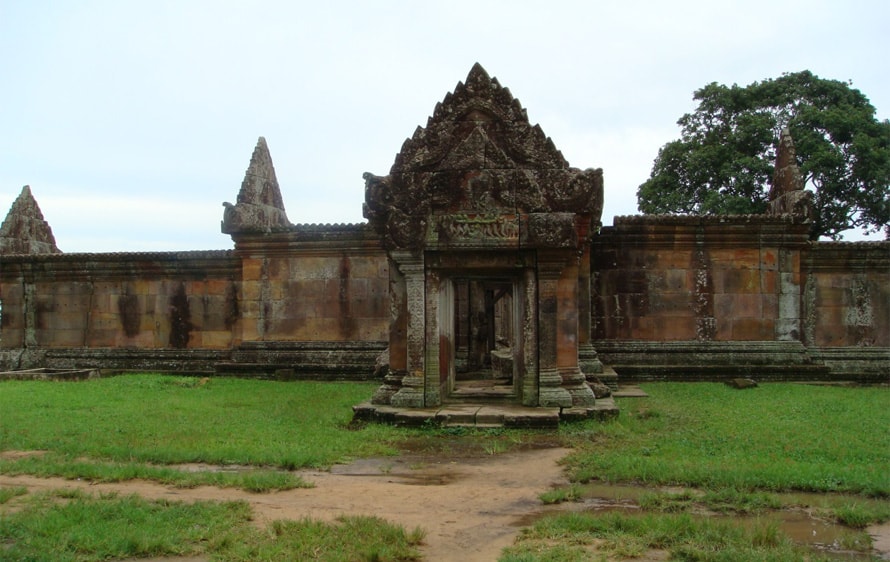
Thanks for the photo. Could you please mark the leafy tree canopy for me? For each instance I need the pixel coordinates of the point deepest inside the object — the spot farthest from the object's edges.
(723, 161)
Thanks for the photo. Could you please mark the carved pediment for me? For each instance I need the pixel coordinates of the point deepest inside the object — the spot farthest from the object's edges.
(477, 155)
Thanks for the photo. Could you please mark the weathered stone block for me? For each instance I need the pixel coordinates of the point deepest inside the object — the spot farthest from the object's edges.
(737, 280)
(752, 329)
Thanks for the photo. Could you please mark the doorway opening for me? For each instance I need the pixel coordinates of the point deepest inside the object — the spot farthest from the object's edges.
(486, 343)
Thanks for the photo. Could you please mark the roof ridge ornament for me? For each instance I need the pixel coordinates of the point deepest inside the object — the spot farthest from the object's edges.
(25, 231)
(787, 195)
(259, 207)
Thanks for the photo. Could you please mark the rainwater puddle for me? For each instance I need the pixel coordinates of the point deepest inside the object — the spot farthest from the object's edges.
(413, 471)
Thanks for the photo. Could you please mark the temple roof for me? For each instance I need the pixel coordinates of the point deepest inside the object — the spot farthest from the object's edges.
(478, 153)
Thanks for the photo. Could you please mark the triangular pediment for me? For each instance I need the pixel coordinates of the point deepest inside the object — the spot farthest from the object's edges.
(478, 153)
(480, 104)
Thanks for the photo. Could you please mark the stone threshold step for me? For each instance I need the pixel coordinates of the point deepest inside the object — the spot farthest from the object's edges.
(483, 416)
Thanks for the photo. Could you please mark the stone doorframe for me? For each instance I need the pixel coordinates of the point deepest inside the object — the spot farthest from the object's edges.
(546, 320)
(441, 271)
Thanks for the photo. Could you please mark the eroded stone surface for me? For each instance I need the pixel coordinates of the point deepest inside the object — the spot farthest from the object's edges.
(787, 195)
(259, 207)
(24, 231)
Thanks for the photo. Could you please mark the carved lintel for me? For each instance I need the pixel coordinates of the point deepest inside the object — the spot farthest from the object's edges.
(470, 230)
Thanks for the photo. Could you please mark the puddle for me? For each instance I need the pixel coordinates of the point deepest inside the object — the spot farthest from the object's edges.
(412, 471)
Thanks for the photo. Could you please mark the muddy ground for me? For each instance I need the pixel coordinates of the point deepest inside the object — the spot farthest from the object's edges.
(470, 507)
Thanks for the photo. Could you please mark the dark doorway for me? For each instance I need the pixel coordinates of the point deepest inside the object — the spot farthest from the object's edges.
(485, 326)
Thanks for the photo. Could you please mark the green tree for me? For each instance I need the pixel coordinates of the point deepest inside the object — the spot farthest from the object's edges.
(723, 161)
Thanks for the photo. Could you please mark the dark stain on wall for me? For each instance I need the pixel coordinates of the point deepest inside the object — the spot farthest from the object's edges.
(180, 319)
(128, 308)
(347, 322)
(231, 304)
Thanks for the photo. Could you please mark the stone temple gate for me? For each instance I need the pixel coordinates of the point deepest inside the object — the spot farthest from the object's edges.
(487, 231)
(483, 274)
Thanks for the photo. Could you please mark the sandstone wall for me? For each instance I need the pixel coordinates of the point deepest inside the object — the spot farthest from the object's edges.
(671, 298)
(158, 300)
(305, 301)
(693, 298)
(696, 278)
(846, 302)
(848, 294)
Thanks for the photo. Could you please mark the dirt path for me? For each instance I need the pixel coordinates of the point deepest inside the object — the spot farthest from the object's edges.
(471, 508)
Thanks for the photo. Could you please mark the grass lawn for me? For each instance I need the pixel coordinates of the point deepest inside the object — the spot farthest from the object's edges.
(127, 427)
(776, 437)
(731, 451)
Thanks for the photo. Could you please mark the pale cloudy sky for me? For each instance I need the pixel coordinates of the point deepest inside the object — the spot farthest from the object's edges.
(133, 120)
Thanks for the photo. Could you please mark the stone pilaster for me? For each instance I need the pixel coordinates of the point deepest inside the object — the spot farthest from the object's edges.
(588, 361)
(411, 394)
(567, 335)
(434, 313)
(788, 326)
(550, 392)
(529, 338)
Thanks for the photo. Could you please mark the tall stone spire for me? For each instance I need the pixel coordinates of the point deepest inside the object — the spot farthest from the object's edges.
(24, 231)
(259, 207)
(787, 195)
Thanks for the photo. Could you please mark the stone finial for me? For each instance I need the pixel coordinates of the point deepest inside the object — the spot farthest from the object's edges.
(787, 195)
(259, 207)
(24, 231)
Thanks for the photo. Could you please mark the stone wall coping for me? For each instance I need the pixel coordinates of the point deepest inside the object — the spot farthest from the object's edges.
(129, 265)
(851, 245)
(118, 256)
(694, 220)
(849, 256)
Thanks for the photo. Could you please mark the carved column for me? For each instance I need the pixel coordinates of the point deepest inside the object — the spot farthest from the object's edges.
(411, 393)
(587, 358)
(528, 312)
(398, 326)
(433, 311)
(567, 336)
(550, 392)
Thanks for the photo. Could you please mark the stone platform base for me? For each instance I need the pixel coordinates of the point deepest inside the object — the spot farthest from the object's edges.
(483, 416)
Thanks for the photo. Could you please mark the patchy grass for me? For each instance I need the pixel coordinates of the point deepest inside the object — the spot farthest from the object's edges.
(737, 452)
(75, 526)
(252, 479)
(353, 538)
(742, 453)
(777, 437)
(577, 536)
(9, 492)
(571, 493)
(719, 501)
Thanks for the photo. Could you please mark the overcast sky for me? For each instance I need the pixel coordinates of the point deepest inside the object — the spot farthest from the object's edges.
(132, 121)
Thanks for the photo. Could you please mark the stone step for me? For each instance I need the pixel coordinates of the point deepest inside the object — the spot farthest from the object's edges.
(483, 415)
